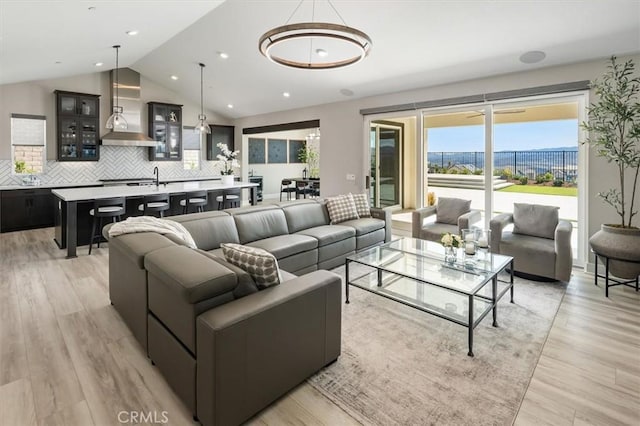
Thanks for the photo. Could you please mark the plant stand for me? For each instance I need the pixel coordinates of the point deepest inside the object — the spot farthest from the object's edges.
(633, 283)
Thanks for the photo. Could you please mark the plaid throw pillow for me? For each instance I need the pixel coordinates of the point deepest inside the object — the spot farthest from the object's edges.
(341, 208)
(362, 204)
(259, 263)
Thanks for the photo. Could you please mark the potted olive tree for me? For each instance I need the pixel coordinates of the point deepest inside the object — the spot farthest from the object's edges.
(614, 132)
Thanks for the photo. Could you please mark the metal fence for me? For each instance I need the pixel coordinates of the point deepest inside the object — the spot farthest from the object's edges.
(561, 164)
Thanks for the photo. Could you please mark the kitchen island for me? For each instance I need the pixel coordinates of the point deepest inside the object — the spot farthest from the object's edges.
(74, 203)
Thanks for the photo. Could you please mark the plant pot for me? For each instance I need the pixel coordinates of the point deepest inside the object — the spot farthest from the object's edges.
(622, 244)
(227, 179)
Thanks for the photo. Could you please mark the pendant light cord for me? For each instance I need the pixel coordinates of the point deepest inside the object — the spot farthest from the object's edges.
(201, 89)
(117, 47)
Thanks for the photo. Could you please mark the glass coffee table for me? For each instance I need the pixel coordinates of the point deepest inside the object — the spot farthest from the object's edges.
(414, 272)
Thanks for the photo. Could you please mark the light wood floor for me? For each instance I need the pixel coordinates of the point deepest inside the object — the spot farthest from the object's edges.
(66, 358)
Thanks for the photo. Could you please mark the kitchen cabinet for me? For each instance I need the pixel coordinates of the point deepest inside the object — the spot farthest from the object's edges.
(219, 134)
(26, 209)
(165, 127)
(78, 126)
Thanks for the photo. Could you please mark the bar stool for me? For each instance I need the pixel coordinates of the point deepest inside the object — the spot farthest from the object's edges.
(108, 207)
(155, 203)
(231, 199)
(286, 188)
(197, 199)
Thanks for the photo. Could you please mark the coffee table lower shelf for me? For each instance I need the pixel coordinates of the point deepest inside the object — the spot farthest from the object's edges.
(467, 310)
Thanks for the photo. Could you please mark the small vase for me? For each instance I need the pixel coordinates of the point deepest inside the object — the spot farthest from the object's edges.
(227, 179)
(450, 254)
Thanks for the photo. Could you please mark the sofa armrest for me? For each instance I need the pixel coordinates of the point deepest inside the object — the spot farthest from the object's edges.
(189, 274)
(496, 225)
(385, 215)
(253, 350)
(417, 219)
(564, 255)
(468, 219)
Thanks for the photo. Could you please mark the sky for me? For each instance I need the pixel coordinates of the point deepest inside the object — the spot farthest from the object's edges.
(506, 137)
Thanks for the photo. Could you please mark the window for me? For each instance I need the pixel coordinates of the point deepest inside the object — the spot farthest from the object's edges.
(28, 147)
(191, 143)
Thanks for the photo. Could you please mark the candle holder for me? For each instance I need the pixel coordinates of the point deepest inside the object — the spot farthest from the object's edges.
(469, 237)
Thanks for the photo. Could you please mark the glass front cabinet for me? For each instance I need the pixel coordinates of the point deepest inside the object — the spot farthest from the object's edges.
(77, 119)
(165, 124)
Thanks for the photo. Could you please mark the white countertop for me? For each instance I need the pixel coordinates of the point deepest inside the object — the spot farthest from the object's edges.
(86, 194)
(48, 185)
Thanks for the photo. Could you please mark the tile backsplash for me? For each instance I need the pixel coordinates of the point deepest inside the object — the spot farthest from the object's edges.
(115, 163)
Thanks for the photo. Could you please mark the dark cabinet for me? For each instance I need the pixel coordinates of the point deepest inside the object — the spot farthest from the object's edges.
(219, 134)
(26, 209)
(258, 180)
(78, 126)
(165, 127)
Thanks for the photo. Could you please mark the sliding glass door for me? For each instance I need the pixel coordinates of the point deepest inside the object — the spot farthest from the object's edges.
(386, 166)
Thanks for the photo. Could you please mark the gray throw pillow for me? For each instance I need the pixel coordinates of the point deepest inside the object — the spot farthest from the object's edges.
(535, 220)
(449, 210)
(259, 263)
(362, 204)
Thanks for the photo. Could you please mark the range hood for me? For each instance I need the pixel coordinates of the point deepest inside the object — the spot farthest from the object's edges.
(129, 100)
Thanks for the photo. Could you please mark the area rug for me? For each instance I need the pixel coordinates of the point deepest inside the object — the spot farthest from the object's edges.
(402, 366)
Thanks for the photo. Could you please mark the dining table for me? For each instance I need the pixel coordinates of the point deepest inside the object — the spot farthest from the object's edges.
(307, 180)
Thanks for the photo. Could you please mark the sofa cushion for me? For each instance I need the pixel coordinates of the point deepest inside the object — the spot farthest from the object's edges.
(260, 264)
(532, 255)
(304, 215)
(535, 220)
(259, 224)
(328, 234)
(210, 232)
(365, 225)
(286, 245)
(449, 210)
(341, 208)
(362, 204)
(433, 231)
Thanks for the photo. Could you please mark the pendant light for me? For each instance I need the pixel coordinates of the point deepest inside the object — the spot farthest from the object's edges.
(202, 126)
(281, 44)
(116, 120)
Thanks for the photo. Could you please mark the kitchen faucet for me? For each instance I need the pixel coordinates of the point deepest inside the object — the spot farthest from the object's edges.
(156, 173)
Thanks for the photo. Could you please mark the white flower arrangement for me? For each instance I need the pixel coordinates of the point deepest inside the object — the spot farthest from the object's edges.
(451, 240)
(229, 158)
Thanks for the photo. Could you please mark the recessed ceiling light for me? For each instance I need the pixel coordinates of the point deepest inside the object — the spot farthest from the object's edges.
(532, 57)
(174, 77)
(132, 32)
(223, 55)
(91, 8)
(58, 62)
(229, 106)
(346, 92)
(286, 94)
(322, 52)
(98, 64)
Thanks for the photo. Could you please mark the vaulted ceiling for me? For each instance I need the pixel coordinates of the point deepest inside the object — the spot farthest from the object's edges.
(415, 43)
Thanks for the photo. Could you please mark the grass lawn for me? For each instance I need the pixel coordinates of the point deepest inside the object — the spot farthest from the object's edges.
(546, 190)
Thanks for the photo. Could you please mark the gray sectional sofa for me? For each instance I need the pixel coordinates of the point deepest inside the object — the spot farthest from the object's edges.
(227, 349)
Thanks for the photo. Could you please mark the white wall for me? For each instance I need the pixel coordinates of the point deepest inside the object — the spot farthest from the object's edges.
(344, 151)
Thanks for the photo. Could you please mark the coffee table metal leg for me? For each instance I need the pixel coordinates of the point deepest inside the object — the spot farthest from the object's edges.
(470, 353)
(511, 281)
(346, 280)
(494, 292)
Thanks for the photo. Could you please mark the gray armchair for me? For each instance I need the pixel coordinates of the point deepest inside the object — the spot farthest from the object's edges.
(452, 215)
(540, 243)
